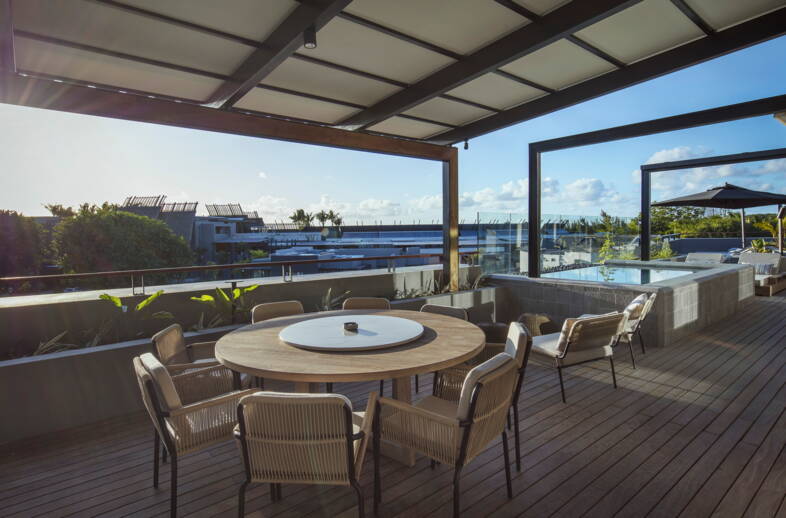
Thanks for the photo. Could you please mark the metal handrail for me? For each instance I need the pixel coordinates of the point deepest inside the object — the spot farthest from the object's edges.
(232, 266)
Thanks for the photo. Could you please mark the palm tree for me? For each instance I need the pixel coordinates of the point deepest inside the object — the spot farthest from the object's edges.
(322, 217)
(334, 218)
(302, 218)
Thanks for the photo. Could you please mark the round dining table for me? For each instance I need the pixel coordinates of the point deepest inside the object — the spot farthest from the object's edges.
(258, 350)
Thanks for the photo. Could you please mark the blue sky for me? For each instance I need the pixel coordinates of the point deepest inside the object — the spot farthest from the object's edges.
(52, 157)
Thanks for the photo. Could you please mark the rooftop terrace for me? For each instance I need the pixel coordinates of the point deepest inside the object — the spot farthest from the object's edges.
(698, 429)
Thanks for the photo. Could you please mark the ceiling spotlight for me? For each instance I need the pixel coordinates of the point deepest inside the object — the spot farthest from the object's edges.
(466, 144)
(310, 38)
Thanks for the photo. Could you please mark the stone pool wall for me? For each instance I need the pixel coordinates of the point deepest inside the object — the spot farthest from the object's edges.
(684, 304)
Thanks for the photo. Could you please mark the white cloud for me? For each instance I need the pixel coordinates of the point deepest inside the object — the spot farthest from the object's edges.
(587, 192)
(262, 175)
(426, 203)
(271, 208)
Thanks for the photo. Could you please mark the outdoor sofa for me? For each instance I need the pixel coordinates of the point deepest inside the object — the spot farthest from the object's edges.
(770, 274)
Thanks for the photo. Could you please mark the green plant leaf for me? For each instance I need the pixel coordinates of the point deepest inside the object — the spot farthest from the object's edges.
(163, 315)
(204, 298)
(142, 305)
(111, 298)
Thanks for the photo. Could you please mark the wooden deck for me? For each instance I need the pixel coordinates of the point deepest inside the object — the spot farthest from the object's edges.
(698, 429)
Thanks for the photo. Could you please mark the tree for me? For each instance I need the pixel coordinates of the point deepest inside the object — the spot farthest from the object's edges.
(60, 211)
(334, 218)
(21, 242)
(302, 218)
(105, 238)
(322, 217)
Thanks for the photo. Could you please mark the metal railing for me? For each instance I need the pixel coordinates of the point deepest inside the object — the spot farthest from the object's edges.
(137, 277)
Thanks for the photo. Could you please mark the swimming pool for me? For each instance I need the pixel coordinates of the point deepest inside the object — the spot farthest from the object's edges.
(619, 274)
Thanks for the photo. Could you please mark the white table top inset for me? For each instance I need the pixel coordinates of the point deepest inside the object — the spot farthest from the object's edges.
(374, 332)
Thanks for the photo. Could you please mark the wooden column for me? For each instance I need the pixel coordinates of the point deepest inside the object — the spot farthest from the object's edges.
(450, 231)
(7, 59)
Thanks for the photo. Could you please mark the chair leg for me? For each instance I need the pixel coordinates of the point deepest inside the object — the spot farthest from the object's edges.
(509, 424)
(641, 341)
(173, 488)
(507, 463)
(381, 388)
(377, 476)
(561, 384)
(613, 375)
(456, 492)
(241, 500)
(272, 492)
(279, 495)
(434, 381)
(164, 453)
(359, 492)
(516, 436)
(329, 388)
(417, 384)
(156, 446)
(630, 348)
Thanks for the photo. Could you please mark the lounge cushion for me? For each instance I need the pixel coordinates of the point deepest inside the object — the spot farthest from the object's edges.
(497, 362)
(547, 346)
(516, 343)
(162, 382)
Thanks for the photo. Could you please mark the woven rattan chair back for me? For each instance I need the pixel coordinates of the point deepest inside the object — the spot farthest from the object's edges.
(492, 396)
(297, 438)
(448, 311)
(366, 303)
(270, 310)
(595, 332)
(170, 345)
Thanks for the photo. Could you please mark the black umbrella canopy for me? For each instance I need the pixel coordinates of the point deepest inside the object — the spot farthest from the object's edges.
(727, 196)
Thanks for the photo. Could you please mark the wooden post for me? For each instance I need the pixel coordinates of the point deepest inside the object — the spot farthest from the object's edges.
(450, 231)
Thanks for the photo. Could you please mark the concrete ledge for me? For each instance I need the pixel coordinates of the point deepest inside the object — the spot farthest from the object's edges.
(684, 305)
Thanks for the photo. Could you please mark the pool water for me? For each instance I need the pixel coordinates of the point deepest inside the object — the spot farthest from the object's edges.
(619, 274)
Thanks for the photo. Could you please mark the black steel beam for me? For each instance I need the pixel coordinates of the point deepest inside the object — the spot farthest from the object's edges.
(737, 158)
(7, 56)
(697, 20)
(534, 17)
(533, 238)
(278, 46)
(646, 182)
(552, 27)
(731, 112)
(749, 33)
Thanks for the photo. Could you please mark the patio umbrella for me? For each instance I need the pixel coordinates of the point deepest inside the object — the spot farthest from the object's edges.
(727, 196)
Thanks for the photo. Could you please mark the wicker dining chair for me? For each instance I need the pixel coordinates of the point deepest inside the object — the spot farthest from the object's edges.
(448, 383)
(451, 433)
(302, 439)
(582, 340)
(183, 422)
(366, 303)
(171, 348)
(270, 310)
(448, 311)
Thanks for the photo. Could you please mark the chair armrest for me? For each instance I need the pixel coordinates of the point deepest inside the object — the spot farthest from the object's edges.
(407, 408)
(365, 427)
(201, 350)
(232, 397)
(179, 368)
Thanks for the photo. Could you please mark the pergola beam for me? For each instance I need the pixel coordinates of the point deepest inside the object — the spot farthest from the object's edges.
(47, 94)
(717, 115)
(7, 59)
(278, 46)
(550, 28)
(755, 31)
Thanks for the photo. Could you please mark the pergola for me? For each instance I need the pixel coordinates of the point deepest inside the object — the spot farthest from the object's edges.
(407, 78)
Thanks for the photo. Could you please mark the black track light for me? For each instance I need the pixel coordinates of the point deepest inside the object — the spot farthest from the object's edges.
(310, 38)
